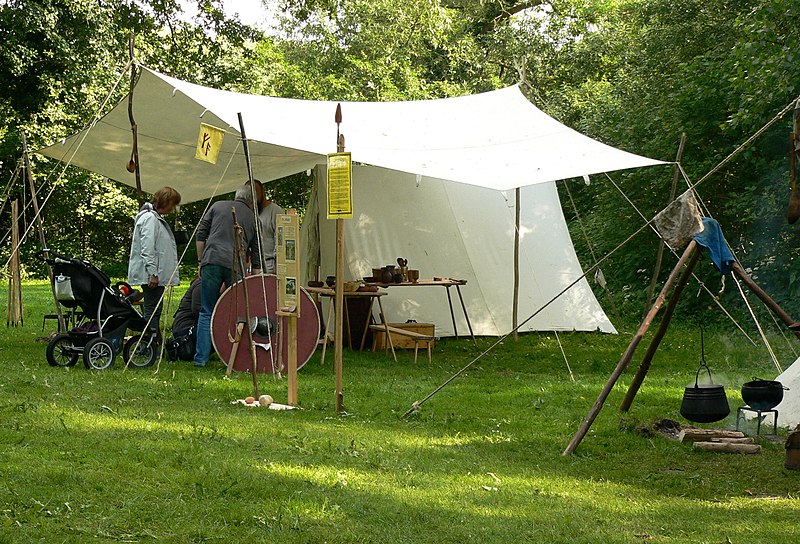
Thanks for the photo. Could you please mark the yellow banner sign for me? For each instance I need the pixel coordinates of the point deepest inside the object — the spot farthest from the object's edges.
(209, 143)
(340, 189)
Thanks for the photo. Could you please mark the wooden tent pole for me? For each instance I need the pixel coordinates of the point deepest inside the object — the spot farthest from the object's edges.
(739, 272)
(133, 165)
(644, 366)
(62, 326)
(14, 315)
(661, 244)
(515, 305)
(626, 357)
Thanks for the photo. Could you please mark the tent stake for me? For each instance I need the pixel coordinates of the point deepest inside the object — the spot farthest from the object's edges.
(644, 366)
(626, 357)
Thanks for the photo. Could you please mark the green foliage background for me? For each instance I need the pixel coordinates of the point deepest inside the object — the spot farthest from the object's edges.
(632, 73)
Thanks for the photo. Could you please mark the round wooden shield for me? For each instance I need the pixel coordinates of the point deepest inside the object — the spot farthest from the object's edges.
(271, 346)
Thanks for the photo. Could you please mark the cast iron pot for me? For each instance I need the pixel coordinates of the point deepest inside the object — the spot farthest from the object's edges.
(705, 403)
(763, 394)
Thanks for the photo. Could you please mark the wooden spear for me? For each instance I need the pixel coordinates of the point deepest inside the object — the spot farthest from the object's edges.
(339, 285)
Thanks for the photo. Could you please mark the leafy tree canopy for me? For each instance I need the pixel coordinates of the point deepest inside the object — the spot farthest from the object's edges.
(633, 73)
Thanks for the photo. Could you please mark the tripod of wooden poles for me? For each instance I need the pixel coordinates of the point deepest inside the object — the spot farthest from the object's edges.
(678, 279)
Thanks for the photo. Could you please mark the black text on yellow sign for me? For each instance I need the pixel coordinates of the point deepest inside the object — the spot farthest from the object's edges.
(340, 186)
(209, 142)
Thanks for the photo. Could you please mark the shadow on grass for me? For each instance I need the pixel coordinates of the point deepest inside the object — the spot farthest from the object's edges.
(140, 456)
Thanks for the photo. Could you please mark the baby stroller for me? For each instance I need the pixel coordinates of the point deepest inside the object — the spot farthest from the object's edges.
(106, 313)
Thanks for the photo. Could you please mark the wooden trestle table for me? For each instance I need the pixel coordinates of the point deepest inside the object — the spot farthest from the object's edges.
(447, 283)
(370, 295)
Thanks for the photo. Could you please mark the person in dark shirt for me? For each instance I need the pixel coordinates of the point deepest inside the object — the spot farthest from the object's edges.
(215, 246)
(184, 326)
(188, 311)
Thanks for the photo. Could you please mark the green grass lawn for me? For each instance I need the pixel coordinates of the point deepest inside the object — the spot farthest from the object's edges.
(140, 455)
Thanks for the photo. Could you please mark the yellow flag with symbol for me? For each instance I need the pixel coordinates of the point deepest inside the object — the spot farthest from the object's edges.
(209, 143)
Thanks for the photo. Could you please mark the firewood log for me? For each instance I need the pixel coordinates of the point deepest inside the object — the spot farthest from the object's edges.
(726, 447)
(700, 435)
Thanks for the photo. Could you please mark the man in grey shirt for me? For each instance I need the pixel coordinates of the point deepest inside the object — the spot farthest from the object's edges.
(215, 250)
(267, 216)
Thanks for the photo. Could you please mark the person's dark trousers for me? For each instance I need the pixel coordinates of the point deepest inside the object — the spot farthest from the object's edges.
(153, 305)
(212, 277)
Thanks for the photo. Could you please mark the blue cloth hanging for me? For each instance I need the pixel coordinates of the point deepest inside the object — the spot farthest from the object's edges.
(714, 241)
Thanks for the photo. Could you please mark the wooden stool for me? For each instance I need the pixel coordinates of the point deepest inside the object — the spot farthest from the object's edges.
(416, 337)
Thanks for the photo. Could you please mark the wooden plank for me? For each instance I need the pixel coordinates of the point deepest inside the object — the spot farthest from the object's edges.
(725, 447)
(704, 435)
(403, 332)
(403, 335)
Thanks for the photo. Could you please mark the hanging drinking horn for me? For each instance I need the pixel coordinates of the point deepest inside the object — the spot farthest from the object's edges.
(131, 166)
(793, 213)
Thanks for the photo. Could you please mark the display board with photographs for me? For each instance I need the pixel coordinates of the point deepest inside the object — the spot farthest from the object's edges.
(287, 245)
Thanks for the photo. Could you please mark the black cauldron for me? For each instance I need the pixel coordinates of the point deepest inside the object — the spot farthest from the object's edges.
(705, 403)
(763, 394)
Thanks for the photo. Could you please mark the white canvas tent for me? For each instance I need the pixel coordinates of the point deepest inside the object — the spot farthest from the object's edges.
(496, 141)
(789, 408)
(452, 230)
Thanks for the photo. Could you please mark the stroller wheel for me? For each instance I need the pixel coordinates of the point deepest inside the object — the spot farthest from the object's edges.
(99, 354)
(61, 351)
(144, 355)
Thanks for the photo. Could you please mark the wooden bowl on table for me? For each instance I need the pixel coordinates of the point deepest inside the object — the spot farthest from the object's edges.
(351, 286)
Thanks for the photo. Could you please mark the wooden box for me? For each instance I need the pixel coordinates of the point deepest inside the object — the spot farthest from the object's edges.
(400, 341)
